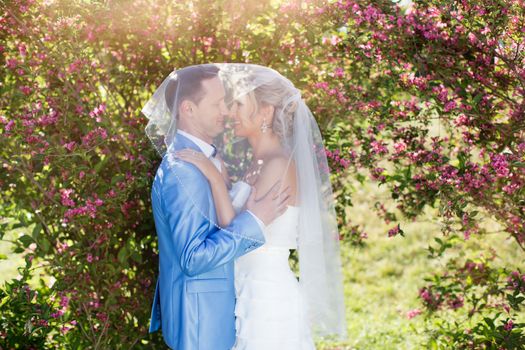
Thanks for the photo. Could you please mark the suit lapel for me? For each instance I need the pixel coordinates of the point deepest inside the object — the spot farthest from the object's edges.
(180, 143)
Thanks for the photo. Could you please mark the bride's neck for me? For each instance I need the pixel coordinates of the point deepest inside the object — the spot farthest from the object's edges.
(264, 144)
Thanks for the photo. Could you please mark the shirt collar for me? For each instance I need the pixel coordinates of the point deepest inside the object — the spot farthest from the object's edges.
(205, 147)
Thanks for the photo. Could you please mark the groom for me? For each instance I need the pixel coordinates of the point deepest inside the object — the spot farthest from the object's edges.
(195, 297)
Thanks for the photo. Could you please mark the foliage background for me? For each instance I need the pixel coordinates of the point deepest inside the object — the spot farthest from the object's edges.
(422, 111)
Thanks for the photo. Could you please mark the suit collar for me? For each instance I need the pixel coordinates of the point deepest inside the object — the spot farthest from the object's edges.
(185, 140)
(180, 142)
(205, 147)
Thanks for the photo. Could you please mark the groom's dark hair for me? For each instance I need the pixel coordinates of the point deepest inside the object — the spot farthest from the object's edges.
(189, 80)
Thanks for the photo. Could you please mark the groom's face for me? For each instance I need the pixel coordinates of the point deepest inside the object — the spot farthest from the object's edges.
(211, 111)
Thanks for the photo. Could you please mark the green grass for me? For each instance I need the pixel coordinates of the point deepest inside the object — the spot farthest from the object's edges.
(382, 280)
(9, 267)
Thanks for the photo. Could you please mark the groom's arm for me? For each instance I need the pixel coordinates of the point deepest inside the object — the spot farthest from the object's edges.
(200, 246)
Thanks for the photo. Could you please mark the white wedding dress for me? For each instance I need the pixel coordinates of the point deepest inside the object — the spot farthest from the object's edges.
(270, 311)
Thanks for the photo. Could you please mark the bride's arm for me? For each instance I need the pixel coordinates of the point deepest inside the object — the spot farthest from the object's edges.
(265, 209)
(224, 172)
(221, 197)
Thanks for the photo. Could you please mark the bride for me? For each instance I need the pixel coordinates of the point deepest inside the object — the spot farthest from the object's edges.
(277, 139)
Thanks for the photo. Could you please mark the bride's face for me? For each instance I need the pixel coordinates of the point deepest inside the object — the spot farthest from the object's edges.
(245, 123)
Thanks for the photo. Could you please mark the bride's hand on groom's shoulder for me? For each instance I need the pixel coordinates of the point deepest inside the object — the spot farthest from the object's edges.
(271, 205)
(201, 162)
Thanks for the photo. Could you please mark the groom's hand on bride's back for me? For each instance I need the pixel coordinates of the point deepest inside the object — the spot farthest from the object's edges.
(270, 205)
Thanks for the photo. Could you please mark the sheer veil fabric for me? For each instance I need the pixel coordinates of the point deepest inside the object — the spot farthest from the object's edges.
(320, 270)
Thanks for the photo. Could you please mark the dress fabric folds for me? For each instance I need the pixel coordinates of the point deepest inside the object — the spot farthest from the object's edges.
(270, 310)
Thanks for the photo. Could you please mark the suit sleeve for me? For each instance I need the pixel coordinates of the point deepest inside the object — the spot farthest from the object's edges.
(199, 245)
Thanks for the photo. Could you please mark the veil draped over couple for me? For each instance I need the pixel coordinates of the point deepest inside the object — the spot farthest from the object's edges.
(231, 203)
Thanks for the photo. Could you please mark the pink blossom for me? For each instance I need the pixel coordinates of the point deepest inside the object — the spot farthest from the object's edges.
(509, 325)
(442, 93)
(393, 231)
(26, 90)
(500, 165)
(413, 313)
(64, 301)
(102, 316)
(9, 125)
(450, 105)
(49, 119)
(61, 247)
(70, 145)
(11, 63)
(22, 49)
(333, 40)
(400, 146)
(64, 196)
(43, 323)
(377, 174)
(379, 147)
(461, 119)
(455, 303)
(57, 314)
(98, 111)
(472, 38)
(90, 137)
(321, 85)
(511, 188)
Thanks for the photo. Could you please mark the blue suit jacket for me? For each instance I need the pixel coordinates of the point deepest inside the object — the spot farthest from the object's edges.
(195, 297)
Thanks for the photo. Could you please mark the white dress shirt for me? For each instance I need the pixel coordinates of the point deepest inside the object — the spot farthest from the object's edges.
(205, 147)
(208, 150)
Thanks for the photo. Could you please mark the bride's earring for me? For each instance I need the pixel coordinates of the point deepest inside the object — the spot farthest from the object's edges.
(264, 126)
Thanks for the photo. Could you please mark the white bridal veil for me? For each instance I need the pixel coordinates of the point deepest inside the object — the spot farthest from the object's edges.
(320, 271)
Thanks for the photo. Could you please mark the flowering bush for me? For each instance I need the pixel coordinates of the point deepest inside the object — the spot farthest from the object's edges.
(434, 98)
(426, 101)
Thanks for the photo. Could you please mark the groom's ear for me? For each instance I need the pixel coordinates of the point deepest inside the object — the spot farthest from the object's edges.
(186, 108)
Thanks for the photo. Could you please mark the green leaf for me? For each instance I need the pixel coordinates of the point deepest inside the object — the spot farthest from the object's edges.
(117, 178)
(44, 244)
(122, 255)
(136, 256)
(3, 257)
(26, 240)
(101, 164)
(489, 322)
(477, 98)
(36, 231)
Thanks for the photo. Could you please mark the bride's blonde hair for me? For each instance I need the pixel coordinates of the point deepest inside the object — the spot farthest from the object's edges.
(276, 93)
